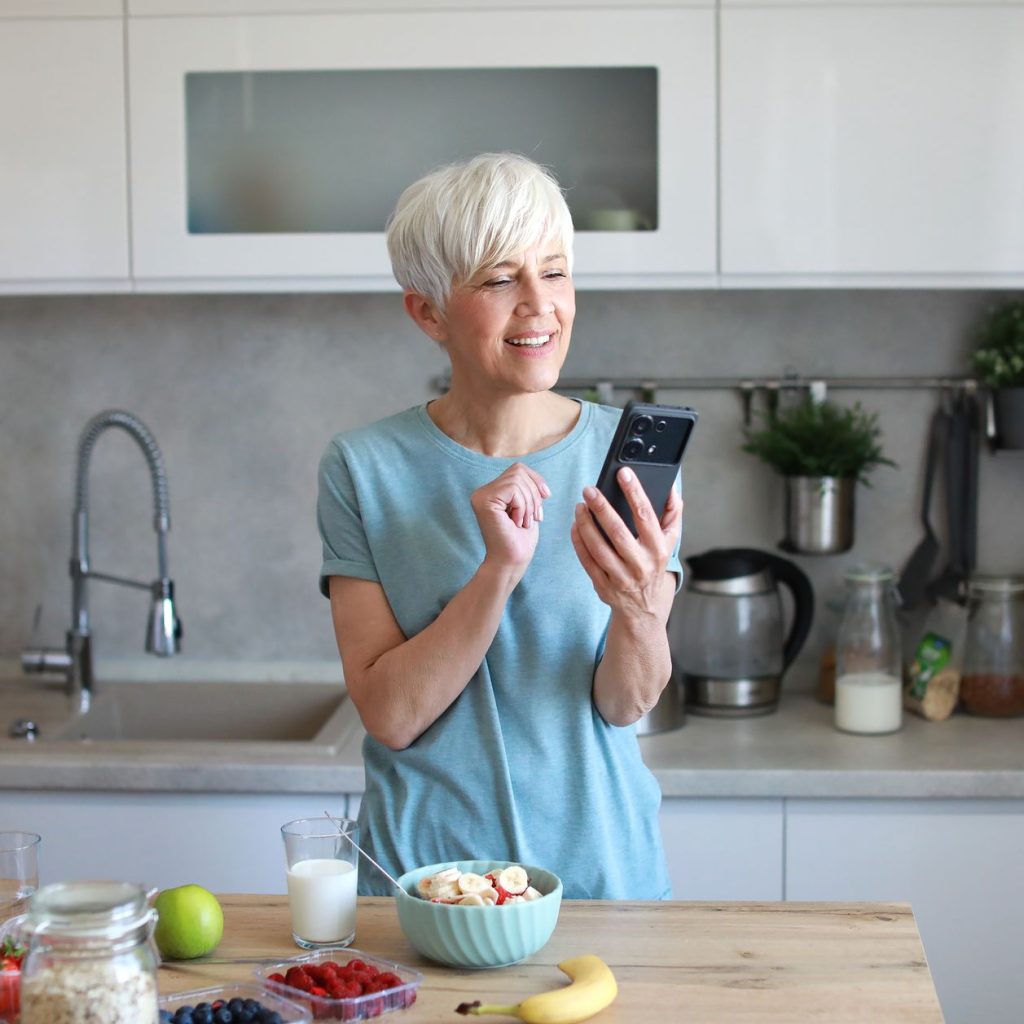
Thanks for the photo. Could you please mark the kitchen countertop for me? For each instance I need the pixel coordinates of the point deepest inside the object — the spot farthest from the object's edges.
(722, 962)
(794, 752)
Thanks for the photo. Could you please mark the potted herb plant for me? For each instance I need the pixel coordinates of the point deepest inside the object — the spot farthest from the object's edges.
(823, 450)
(999, 360)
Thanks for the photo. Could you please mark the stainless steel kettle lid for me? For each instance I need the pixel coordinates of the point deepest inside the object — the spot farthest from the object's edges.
(731, 571)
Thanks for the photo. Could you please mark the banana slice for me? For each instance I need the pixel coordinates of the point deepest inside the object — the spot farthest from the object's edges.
(472, 899)
(470, 882)
(447, 875)
(531, 894)
(514, 880)
(489, 895)
(447, 891)
(513, 899)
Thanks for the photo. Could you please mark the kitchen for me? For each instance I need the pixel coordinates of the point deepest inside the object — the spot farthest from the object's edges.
(244, 369)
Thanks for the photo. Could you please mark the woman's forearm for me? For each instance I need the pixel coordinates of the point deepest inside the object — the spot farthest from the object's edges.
(636, 665)
(411, 685)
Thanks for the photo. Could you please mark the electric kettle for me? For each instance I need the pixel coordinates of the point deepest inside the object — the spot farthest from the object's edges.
(726, 630)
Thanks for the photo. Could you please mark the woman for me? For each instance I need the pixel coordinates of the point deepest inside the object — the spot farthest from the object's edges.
(496, 645)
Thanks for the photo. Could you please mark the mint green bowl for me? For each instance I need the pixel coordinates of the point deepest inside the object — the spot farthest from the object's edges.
(479, 937)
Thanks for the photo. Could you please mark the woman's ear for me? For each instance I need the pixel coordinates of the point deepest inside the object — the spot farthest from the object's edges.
(425, 315)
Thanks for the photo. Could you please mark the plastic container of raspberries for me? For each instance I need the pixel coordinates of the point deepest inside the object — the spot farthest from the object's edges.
(343, 984)
(273, 1007)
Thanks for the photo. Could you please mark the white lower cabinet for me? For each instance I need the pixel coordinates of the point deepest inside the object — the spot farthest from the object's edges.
(955, 862)
(723, 849)
(226, 842)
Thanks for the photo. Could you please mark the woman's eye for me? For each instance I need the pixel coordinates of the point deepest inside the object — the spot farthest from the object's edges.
(555, 273)
(497, 282)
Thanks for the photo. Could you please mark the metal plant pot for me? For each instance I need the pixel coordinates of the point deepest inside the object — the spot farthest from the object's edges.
(819, 514)
(1009, 415)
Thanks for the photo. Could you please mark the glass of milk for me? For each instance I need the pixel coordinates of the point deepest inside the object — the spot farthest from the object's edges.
(323, 869)
(869, 667)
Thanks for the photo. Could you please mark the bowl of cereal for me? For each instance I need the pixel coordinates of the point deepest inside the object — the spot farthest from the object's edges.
(478, 913)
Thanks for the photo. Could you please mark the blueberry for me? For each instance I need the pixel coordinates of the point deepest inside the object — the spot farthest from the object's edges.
(253, 1004)
(246, 1015)
(184, 1018)
(203, 1014)
(166, 1016)
(223, 1016)
(203, 1006)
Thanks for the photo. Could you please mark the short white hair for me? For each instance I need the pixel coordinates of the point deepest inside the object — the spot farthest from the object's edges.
(458, 219)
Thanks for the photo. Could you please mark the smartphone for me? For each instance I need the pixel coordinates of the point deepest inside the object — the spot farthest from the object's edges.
(650, 439)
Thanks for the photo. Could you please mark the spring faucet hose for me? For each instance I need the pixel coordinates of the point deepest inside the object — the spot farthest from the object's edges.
(145, 440)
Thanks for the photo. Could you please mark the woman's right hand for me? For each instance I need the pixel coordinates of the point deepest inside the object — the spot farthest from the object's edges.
(507, 510)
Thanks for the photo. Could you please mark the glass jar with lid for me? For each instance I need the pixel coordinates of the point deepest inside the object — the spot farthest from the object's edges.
(869, 681)
(91, 955)
(993, 673)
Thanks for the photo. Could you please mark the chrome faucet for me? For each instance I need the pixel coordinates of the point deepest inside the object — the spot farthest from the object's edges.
(163, 632)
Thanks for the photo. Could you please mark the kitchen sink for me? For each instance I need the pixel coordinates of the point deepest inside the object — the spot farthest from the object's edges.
(307, 715)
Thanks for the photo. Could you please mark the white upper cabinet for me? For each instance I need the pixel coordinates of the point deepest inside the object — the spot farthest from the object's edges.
(882, 142)
(205, 7)
(268, 151)
(63, 173)
(61, 8)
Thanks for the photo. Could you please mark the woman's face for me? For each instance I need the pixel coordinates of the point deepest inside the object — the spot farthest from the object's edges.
(508, 327)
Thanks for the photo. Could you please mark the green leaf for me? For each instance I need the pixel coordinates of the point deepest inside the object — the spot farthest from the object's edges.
(820, 439)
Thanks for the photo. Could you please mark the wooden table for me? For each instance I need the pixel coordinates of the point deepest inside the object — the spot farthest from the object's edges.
(675, 962)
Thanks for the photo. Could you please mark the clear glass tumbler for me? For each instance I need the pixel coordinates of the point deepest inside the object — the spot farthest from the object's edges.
(19, 871)
(323, 872)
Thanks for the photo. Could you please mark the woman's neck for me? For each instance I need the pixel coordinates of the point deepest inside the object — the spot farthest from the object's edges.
(504, 427)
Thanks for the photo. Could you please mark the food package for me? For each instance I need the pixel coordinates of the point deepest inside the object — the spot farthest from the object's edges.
(933, 680)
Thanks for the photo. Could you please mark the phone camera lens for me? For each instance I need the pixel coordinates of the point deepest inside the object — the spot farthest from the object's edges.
(642, 424)
(633, 448)
(660, 426)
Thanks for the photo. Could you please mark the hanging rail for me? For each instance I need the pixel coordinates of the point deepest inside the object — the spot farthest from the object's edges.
(648, 387)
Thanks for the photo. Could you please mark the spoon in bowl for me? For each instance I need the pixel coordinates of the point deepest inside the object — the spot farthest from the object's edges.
(337, 824)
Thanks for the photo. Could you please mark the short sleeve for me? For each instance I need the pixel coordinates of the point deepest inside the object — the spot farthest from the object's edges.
(674, 564)
(346, 551)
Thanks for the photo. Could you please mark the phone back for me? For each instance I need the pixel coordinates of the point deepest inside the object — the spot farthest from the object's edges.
(650, 440)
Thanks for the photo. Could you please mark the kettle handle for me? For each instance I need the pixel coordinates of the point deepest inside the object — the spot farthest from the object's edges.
(794, 578)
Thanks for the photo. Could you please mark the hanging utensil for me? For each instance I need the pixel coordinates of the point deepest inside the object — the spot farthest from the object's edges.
(394, 881)
(918, 568)
(961, 499)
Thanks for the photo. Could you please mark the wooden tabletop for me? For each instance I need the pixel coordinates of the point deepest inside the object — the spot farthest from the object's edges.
(701, 963)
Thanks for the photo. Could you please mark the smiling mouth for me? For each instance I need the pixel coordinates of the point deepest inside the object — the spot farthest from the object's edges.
(530, 342)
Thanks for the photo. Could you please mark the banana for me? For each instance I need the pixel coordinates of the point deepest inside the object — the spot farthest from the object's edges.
(592, 988)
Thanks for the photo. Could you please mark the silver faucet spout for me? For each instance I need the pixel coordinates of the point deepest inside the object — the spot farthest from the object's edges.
(163, 632)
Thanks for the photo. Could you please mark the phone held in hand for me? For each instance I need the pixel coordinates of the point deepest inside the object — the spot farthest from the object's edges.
(650, 439)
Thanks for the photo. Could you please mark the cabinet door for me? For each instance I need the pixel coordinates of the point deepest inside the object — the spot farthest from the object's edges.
(956, 862)
(273, 147)
(63, 174)
(723, 849)
(873, 140)
(61, 8)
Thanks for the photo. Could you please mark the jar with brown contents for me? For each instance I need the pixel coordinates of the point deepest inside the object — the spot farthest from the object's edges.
(993, 676)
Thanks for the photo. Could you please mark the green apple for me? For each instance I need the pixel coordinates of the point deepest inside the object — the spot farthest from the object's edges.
(190, 922)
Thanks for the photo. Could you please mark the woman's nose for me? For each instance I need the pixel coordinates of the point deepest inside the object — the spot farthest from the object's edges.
(533, 301)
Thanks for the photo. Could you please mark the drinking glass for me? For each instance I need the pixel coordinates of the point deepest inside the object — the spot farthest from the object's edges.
(19, 871)
(323, 871)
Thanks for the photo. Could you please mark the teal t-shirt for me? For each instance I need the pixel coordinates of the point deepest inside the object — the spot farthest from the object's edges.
(521, 766)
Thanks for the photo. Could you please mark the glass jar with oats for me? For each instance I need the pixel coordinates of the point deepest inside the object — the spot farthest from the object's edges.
(91, 955)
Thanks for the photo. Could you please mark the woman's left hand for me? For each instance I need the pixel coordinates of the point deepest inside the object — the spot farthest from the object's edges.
(628, 572)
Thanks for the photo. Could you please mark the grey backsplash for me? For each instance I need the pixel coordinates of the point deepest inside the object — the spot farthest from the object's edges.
(243, 391)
